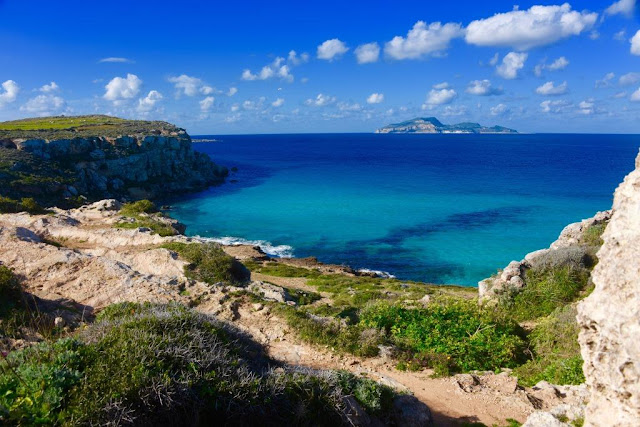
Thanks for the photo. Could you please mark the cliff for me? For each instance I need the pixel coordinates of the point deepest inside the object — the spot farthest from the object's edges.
(610, 316)
(57, 159)
(433, 125)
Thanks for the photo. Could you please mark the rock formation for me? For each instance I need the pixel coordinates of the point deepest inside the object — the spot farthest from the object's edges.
(610, 316)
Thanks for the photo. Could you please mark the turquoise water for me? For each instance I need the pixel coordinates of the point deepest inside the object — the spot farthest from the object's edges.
(435, 208)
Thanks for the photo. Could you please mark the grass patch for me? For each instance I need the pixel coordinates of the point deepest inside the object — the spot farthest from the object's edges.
(593, 235)
(165, 364)
(145, 214)
(555, 349)
(209, 263)
(279, 269)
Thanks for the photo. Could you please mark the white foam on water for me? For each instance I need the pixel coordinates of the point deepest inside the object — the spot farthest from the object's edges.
(280, 251)
(378, 273)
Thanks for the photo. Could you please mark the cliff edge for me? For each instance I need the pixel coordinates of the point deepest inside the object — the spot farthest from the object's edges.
(57, 160)
(610, 316)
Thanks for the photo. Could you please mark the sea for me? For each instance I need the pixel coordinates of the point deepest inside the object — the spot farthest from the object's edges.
(441, 208)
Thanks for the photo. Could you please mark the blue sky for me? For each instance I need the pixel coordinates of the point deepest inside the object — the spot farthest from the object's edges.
(330, 66)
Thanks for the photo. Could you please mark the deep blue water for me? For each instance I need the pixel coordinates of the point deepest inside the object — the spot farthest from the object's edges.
(435, 208)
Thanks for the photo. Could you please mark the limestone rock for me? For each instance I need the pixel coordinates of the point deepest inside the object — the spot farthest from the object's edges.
(610, 316)
(270, 292)
(410, 412)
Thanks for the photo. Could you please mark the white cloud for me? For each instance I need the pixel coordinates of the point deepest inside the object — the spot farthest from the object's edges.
(511, 64)
(367, 53)
(423, 40)
(44, 105)
(277, 69)
(620, 95)
(620, 35)
(550, 89)
(605, 81)
(457, 110)
(121, 88)
(622, 7)
(332, 49)
(499, 110)
(635, 43)
(9, 92)
(587, 107)
(207, 90)
(232, 91)
(235, 108)
(375, 98)
(278, 102)
(207, 103)
(345, 106)
(494, 59)
(525, 29)
(440, 96)
(443, 85)
(321, 100)
(51, 87)
(117, 59)
(148, 102)
(186, 85)
(594, 35)
(482, 88)
(559, 64)
(635, 96)
(629, 79)
(296, 59)
(558, 106)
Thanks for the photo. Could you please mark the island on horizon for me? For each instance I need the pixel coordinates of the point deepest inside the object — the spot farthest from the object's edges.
(433, 125)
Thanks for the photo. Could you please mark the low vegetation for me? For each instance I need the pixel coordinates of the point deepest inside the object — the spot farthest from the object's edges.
(165, 364)
(209, 263)
(143, 213)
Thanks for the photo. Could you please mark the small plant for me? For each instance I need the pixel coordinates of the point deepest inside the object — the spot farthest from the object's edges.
(139, 207)
(593, 235)
(144, 213)
(209, 263)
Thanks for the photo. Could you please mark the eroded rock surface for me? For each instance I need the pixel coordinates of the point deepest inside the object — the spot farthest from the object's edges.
(610, 316)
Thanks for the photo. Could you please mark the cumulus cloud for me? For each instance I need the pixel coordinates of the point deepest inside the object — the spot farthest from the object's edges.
(51, 87)
(332, 49)
(296, 59)
(559, 64)
(587, 107)
(482, 88)
(635, 96)
(9, 92)
(620, 35)
(628, 79)
(494, 59)
(499, 110)
(232, 91)
(367, 53)
(635, 43)
(558, 106)
(423, 40)
(345, 106)
(278, 102)
(148, 102)
(277, 69)
(525, 29)
(117, 59)
(207, 103)
(511, 64)
(457, 110)
(207, 90)
(321, 100)
(622, 7)
(605, 81)
(122, 88)
(375, 98)
(44, 105)
(186, 85)
(550, 89)
(439, 96)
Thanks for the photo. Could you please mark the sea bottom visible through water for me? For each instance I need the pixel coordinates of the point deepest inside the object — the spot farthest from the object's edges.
(434, 208)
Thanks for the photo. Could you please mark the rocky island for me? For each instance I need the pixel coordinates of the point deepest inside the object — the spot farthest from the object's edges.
(433, 125)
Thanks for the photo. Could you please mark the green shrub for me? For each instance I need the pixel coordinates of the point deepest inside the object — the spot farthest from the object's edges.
(27, 204)
(165, 364)
(209, 263)
(593, 235)
(556, 352)
(145, 214)
(279, 269)
(457, 336)
(138, 207)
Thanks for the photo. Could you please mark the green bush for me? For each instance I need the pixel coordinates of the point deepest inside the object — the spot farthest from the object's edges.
(593, 235)
(26, 204)
(556, 352)
(457, 336)
(138, 207)
(165, 364)
(145, 214)
(279, 269)
(209, 263)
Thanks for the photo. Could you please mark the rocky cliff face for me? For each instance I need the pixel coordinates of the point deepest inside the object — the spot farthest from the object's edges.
(144, 165)
(610, 316)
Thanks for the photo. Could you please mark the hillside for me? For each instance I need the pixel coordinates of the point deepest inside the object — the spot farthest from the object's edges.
(66, 161)
(433, 125)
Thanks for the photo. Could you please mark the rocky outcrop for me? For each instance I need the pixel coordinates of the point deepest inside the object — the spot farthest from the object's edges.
(569, 247)
(144, 165)
(610, 316)
(433, 125)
